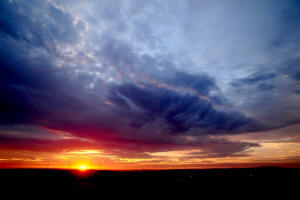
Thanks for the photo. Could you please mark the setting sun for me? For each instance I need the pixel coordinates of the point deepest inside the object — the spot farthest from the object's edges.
(83, 168)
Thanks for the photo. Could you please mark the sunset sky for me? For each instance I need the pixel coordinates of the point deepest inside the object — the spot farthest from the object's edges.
(132, 84)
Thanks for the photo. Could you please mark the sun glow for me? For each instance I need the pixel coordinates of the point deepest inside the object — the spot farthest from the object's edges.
(82, 168)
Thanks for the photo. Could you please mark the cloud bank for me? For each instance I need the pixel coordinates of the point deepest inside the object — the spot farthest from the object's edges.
(137, 78)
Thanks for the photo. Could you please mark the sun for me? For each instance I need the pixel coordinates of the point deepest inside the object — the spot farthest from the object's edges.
(82, 168)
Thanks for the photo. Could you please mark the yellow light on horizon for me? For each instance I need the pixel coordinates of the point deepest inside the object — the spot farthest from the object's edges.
(83, 168)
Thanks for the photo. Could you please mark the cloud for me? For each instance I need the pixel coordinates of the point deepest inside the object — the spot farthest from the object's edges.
(42, 25)
(200, 82)
(254, 79)
(140, 77)
(44, 145)
(179, 112)
(272, 91)
(222, 148)
(291, 68)
(260, 81)
(31, 89)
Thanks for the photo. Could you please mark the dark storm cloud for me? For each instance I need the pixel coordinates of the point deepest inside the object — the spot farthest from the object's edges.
(180, 112)
(201, 83)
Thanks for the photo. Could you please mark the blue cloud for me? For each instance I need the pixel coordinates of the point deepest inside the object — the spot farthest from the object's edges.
(201, 83)
(254, 79)
(181, 112)
(42, 25)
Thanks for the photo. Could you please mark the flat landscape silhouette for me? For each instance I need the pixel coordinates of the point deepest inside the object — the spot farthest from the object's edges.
(92, 184)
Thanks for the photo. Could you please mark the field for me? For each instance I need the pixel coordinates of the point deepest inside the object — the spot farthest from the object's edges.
(92, 184)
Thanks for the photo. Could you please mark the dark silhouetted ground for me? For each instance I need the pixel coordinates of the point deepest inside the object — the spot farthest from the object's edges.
(197, 184)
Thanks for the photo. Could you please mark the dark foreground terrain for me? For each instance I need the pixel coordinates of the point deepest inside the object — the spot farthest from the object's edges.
(198, 184)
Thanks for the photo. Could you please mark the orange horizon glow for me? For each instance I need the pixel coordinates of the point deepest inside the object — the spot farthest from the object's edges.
(101, 159)
(164, 166)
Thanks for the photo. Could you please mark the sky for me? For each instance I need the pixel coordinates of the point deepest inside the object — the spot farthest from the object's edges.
(133, 84)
